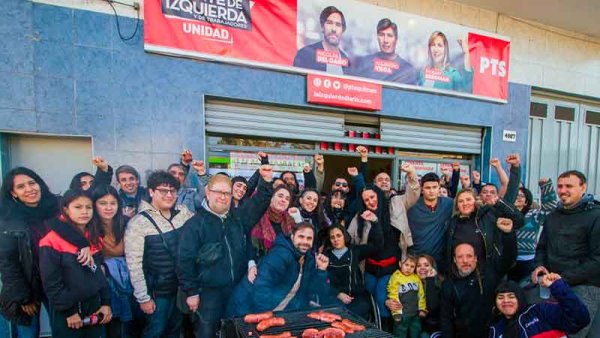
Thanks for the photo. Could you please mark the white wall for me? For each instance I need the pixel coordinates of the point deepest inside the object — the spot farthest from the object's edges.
(55, 159)
(541, 56)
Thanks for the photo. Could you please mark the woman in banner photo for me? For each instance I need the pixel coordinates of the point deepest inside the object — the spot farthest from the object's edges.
(439, 73)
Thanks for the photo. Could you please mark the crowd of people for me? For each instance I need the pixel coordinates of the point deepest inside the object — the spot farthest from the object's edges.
(443, 256)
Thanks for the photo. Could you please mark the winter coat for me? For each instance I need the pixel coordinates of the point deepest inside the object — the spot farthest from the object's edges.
(570, 243)
(213, 248)
(546, 319)
(151, 264)
(485, 220)
(467, 302)
(21, 229)
(66, 282)
(344, 272)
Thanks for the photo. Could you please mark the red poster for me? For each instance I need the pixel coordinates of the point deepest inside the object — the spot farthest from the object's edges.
(334, 37)
(340, 92)
(490, 61)
(262, 31)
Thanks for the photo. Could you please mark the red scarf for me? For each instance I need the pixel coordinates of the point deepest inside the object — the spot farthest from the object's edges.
(263, 234)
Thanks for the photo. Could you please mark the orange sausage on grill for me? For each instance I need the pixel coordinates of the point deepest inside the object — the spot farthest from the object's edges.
(331, 332)
(342, 326)
(270, 322)
(285, 334)
(353, 325)
(254, 318)
(310, 333)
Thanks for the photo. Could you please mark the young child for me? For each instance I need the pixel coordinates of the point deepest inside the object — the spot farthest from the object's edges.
(406, 287)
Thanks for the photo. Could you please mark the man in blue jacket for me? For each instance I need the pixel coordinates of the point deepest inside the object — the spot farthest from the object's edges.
(287, 276)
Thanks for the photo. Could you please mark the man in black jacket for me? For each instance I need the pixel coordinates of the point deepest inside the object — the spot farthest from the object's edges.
(468, 294)
(570, 244)
(213, 256)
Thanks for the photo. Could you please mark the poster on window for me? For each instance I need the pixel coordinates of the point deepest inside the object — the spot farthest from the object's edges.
(339, 37)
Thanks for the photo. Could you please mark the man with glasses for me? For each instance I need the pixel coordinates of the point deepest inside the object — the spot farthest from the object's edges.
(213, 249)
(151, 241)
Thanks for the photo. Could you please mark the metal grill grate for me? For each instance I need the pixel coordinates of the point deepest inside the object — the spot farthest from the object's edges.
(296, 323)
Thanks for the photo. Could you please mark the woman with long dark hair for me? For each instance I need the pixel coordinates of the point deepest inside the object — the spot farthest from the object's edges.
(25, 204)
(74, 291)
(390, 215)
(345, 277)
(109, 228)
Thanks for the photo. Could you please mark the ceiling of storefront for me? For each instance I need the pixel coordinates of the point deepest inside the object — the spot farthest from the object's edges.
(579, 16)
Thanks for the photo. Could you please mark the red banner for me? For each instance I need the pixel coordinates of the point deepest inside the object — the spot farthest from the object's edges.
(340, 92)
(490, 60)
(344, 38)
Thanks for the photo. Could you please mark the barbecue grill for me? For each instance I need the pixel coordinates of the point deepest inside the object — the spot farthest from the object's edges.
(296, 323)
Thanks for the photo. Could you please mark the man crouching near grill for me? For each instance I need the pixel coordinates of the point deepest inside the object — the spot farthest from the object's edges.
(288, 276)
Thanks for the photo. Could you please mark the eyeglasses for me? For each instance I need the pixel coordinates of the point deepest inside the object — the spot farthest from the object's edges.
(224, 194)
(341, 184)
(520, 195)
(164, 192)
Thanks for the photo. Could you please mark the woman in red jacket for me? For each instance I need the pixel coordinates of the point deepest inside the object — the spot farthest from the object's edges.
(74, 291)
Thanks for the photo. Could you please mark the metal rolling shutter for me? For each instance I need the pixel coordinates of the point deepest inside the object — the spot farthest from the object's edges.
(224, 117)
(429, 136)
(273, 122)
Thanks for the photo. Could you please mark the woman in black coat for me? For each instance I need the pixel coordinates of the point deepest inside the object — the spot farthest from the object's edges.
(345, 276)
(25, 204)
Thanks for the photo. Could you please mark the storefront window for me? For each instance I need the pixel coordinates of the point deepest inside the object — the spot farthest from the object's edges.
(258, 143)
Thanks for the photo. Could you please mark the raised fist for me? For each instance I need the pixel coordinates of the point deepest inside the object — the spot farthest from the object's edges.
(504, 224)
(266, 172)
(363, 151)
(408, 168)
(101, 163)
(352, 171)
(186, 157)
(513, 159)
(368, 215)
(199, 167)
(495, 162)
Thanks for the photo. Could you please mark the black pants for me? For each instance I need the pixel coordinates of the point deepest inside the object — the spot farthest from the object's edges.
(213, 302)
(58, 322)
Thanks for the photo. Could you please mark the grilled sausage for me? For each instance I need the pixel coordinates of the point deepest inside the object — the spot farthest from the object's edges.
(342, 326)
(310, 333)
(354, 326)
(254, 318)
(285, 334)
(270, 322)
(331, 332)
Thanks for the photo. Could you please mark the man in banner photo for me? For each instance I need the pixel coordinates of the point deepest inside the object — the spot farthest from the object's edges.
(386, 65)
(326, 55)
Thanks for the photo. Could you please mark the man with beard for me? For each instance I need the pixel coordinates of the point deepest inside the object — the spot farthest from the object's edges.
(326, 55)
(386, 65)
(570, 245)
(467, 296)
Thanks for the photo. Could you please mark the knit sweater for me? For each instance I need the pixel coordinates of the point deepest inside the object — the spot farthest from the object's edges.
(527, 236)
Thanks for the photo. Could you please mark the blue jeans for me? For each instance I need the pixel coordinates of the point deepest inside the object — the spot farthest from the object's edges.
(165, 321)
(31, 331)
(4, 328)
(377, 287)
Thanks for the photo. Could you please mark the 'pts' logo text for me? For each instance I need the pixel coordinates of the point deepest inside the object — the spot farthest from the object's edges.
(498, 68)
